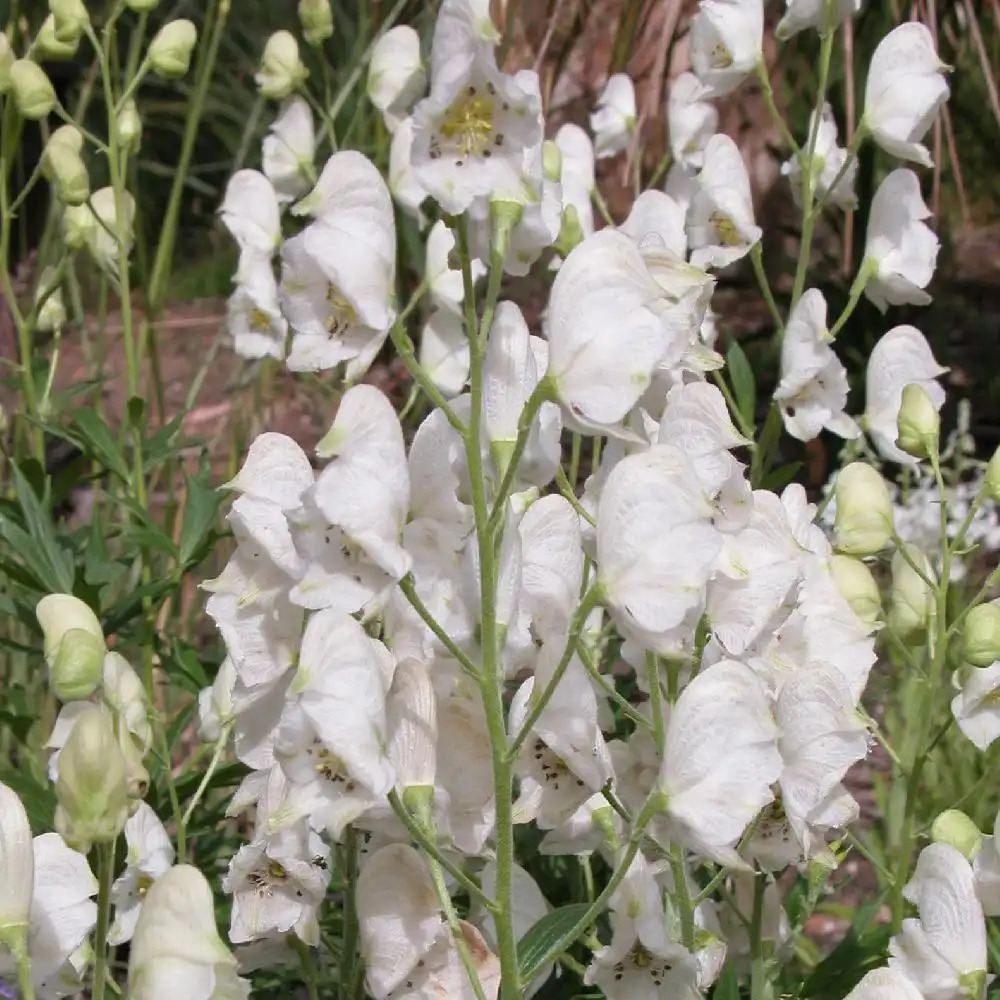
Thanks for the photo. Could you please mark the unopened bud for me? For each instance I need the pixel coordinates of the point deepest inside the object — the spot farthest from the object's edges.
(863, 525)
(78, 226)
(105, 247)
(66, 135)
(911, 595)
(126, 697)
(71, 18)
(316, 17)
(170, 51)
(6, 63)
(47, 44)
(919, 423)
(91, 788)
(33, 91)
(129, 127)
(570, 231)
(992, 481)
(73, 645)
(858, 587)
(52, 313)
(413, 730)
(17, 872)
(67, 171)
(281, 68)
(981, 635)
(955, 828)
(551, 161)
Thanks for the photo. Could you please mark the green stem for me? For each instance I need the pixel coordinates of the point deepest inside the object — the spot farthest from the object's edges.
(26, 988)
(865, 274)
(307, 964)
(682, 895)
(351, 979)
(455, 925)
(105, 877)
(656, 703)
(220, 746)
(409, 589)
(852, 154)
(757, 259)
(758, 966)
(772, 108)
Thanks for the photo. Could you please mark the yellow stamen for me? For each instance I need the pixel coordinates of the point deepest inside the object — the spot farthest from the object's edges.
(469, 123)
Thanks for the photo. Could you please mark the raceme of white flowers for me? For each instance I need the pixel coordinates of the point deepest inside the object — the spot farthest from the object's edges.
(416, 625)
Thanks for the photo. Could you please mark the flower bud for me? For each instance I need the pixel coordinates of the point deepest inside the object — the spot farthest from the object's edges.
(992, 481)
(551, 161)
(412, 715)
(6, 63)
(316, 17)
(17, 871)
(129, 127)
(955, 828)
(73, 645)
(215, 703)
(142, 6)
(858, 587)
(863, 525)
(71, 18)
(281, 68)
(981, 635)
(33, 91)
(911, 599)
(570, 231)
(78, 226)
(918, 422)
(67, 171)
(91, 788)
(66, 135)
(170, 51)
(104, 247)
(126, 697)
(52, 314)
(48, 45)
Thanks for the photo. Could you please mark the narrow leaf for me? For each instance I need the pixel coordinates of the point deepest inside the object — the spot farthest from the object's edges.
(546, 933)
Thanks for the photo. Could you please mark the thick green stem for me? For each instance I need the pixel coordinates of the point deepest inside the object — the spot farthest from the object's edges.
(757, 259)
(455, 925)
(105, 877)
(860, 283)
(26, 986)
(758, 964)
(350, 970)
(307, 965)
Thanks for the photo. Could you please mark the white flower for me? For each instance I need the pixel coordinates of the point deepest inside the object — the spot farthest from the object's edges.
(109, 236)
(726, 40)
(215, 703)
(721, 224)
(250, 211)
(289, 149)
(253, 312)
(802, 14)
(275, 469)
(471, 133)
(338, 274)
(446, 283)
(403, 183)
(977, 706)
(150, 854)
(900, 249)
(656, 222)
(413, 727)
(176, 949)
(444, 351)
(396, 76)
(721, 759)
(691, 121)
(828, 160)
(813, 389)
(656, 545)
(884, 984)
(17, 869)
(902, 357)
(986, 872)
(905, 89)
(614, 120)
(944, 950)
(577, 176)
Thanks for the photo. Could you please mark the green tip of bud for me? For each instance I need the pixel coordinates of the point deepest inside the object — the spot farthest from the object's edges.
(570, 231)
(34, 95)
(863, 523)
(142, 6)
(316, 18)
(419, 800)
(992, 481)
(918, 423)
(71, 18)
(973, 984)
(981, 635)
(551, 160)
(170, 50)
(955, 828)
(78, 665)
(129, 127)
(281, 71)
(49, 46)
(858, 587)
(6, 62)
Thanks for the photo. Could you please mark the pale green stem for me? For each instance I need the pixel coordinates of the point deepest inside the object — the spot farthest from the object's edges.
(757, 259)
(451, 915)
(852, 154)
(26, 988)
(105, 877)
(776, 115)
(758, 966)
(306, 963)
(656, 703)
(408, 587)
(217, 751)
(602, 206)
(350, 971)
(858, 286)
(682, 895)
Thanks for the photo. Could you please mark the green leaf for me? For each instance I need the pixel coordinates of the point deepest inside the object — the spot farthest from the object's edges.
(546, 933)
(744, 384)
(97, 441)
(200, 512)
(39, 801)
(862, 949)
(777, 479)
(727, 986)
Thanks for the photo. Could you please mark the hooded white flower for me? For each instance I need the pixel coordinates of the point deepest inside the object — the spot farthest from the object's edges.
(445, 282)
(338, 274)
(176, 949)
(413, 726)
(656, 222)
(17, 868)
(884, 984)
(251, 212)
(656, 544)
(900, 250)
(471, 134)
(691, 120)
(812, 392)
(802, 14)
(721, 759)
(829, 159)
(614, 120)
(396, 76)
(403, 184)
(902, 357)
(215, 703)
(289, 150)
(943, 951)
(977, 706)
(444, 351)
(721, 225)
(726, 40)
(253, 311)
(150, 854)
(275, 469)
(905, 89)
(986, 872)
(577, 177)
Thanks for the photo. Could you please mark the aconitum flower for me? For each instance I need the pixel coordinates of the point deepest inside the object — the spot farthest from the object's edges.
(901, 251)
(403, 184)
(250, 211)
(829, 158)
(726, 41)
(904, 92)
(614, 120)
(289, 149)
(976, 707)
(253, 311)
(396, 76)
(819, 14)
(17, 870)
(691, 120)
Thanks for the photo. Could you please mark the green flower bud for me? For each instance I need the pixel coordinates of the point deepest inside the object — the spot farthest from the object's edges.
(316, 17)
(52, 314)
(919, 423)
(91, 789)
(170, 51)
(570, 231)
(911, 600)
(992, 481)
(858, 587)
(66, 135)
(551, 161)
(71, 18)
(47, 44)
(955, 828)
(981, 635)
(78, 226)
(863, 525)
(73, 645)
(129, 127)
(6, 63)
(281, 68)
(34, 95)
(65, 167)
